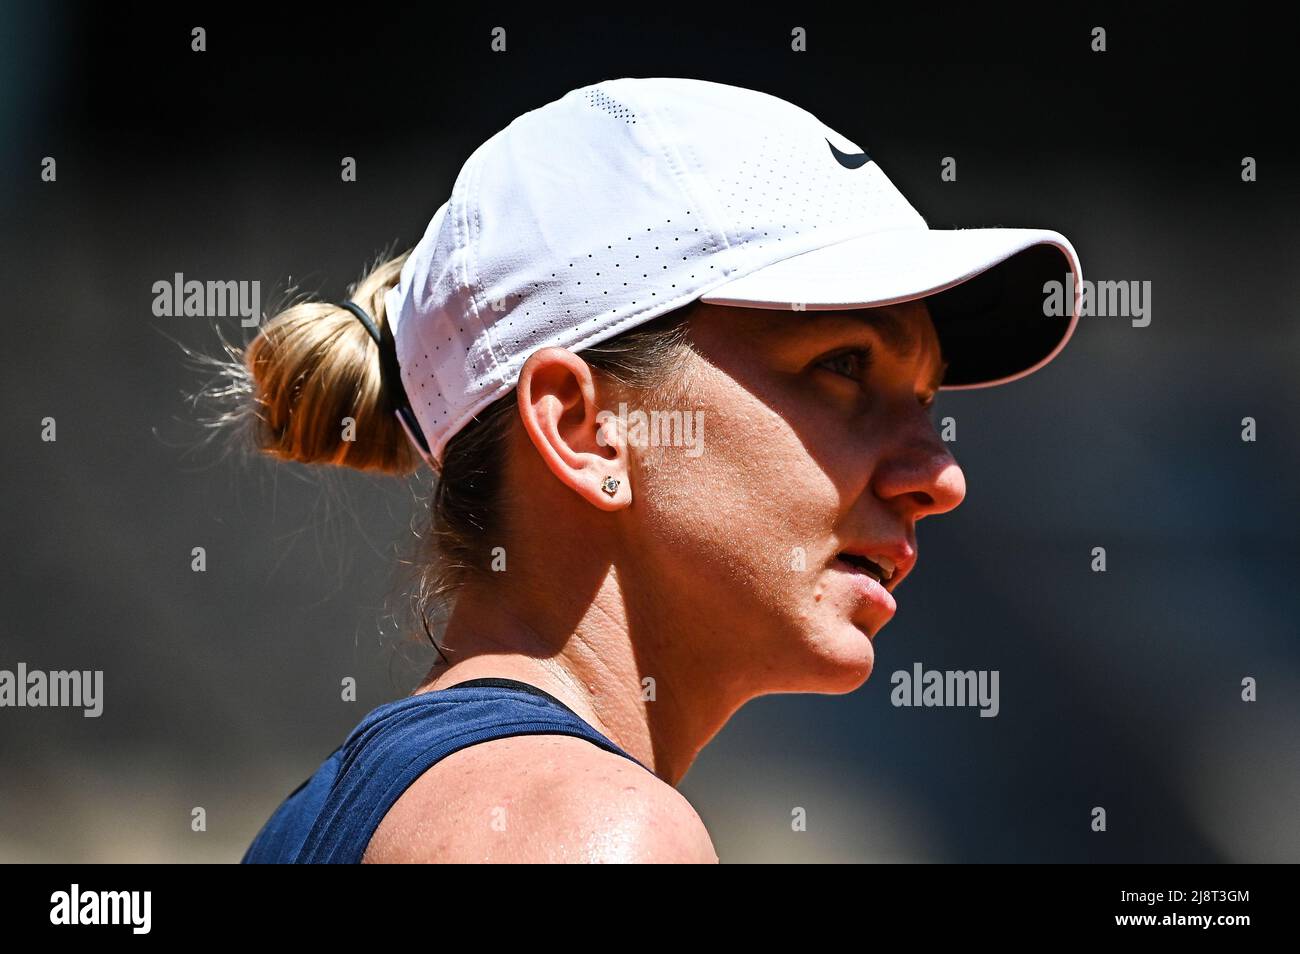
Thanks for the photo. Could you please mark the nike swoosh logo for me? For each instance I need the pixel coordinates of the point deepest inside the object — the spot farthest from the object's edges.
(846, 160)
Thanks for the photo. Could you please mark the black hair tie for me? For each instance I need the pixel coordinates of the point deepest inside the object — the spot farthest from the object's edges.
(388, 370)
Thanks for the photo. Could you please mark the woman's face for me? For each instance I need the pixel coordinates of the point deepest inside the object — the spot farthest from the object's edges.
(817, 439)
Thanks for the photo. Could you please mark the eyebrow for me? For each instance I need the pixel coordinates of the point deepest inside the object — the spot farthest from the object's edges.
(898, 336)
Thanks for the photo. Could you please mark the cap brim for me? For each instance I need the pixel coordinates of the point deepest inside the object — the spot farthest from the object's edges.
(985, 290)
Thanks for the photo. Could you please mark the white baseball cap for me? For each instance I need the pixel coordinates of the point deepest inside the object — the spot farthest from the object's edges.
(630, 198)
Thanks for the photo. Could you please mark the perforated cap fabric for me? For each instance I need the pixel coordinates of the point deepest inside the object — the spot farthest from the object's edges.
(632, 197)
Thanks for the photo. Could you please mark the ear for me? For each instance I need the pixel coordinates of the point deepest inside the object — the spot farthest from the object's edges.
(573, 435)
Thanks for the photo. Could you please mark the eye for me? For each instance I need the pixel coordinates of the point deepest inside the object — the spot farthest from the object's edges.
(851, 364)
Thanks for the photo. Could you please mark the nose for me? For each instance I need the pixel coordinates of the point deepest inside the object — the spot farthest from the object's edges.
(920, 477)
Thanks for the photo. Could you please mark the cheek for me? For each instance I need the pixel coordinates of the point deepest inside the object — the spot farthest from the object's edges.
(740, 510)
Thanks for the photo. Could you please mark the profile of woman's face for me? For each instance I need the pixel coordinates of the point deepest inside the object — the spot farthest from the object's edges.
(817, 439)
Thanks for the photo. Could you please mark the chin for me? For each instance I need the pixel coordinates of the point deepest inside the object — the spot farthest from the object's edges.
(842, 658)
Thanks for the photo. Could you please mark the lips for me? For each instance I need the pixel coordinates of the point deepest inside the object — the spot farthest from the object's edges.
(887, 562)
(881, 569)
(873, 604)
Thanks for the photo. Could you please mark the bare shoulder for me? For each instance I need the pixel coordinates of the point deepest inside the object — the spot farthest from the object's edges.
(540, 798)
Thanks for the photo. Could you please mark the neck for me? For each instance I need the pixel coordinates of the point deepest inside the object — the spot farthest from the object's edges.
(629, 674)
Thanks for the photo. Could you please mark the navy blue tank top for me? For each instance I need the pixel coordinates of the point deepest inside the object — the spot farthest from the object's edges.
(330, 817)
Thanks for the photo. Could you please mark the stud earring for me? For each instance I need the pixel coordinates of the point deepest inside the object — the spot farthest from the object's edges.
(610, 485)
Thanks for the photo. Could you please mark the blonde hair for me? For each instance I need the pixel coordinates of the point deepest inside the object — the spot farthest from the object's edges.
(318, 391)
(313, 365)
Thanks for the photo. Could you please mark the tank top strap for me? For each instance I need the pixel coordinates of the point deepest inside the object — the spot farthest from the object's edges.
(397, 742)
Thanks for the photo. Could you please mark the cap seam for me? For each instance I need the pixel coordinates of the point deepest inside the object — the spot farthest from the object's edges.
(476, 287)
(467, 187)
(684, 176)
(474, 281)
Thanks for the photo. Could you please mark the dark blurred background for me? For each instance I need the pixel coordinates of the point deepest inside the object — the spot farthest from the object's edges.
(1119, 689)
